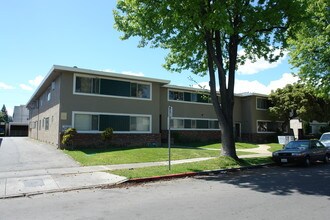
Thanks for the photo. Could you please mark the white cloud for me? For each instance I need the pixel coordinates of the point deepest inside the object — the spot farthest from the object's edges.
(36, 81)
(242, 86)
(25, 87)
(257, 87)
(5, 86)
(261, 64)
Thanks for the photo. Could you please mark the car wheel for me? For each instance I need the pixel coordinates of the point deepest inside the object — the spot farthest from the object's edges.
(307, 161)
(326, 159)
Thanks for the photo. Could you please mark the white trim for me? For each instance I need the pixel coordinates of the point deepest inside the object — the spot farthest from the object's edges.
(119, 114)
(110, 96)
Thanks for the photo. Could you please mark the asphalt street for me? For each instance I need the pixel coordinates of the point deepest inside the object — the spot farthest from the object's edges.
(289, 192)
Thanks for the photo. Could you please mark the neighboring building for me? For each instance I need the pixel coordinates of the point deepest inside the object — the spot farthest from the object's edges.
(136, 108)
(20, 124)
(21, 114)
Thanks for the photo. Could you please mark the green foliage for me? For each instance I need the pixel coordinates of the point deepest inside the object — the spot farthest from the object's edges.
(4, 115)
(67, 139)
(324, 129)
(299, 101)
(204, 37)
(310, 46)
(107, 134)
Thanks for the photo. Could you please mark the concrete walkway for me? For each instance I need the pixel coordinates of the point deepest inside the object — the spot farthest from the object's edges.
(261, 151)
(37, 181)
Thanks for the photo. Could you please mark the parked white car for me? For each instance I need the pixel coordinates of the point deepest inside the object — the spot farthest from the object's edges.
(325, 139)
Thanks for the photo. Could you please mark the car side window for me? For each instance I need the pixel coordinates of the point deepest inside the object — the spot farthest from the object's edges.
(319, 145)
(313, 144)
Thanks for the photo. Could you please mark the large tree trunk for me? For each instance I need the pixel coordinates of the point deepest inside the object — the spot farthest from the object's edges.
(225, 106)
(228, 141)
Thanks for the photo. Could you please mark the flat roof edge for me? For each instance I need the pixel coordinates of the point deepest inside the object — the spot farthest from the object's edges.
(112, 74)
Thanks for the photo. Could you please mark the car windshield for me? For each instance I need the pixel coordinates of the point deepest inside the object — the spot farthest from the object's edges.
(301, 145)
(325, 137)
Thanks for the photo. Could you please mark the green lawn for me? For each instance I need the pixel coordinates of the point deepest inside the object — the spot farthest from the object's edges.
(274, 147)
(91, 157)
(239, 145)
(212, 164)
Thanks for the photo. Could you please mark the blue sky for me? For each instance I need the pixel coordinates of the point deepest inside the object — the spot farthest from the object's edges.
(36, 34)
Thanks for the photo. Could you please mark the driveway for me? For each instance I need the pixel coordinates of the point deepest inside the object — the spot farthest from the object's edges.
(23, 153)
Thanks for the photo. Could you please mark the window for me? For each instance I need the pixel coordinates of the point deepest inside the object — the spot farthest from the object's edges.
(177, 123)
(269, 126)
(213, 125)
(111, 87)
(46, 123)
(49, 96)
(140, 90)
(119, 123)
(87, 85)
(189, 97)
(139, 123)
(187, 124)
(85, 122)
(263, 104)
(176, 95)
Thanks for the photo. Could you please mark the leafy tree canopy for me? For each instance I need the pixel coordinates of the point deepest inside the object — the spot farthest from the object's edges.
(310, 46)
(299, 101)
(204, 36)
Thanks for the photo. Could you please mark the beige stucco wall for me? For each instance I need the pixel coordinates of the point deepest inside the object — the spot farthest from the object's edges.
(45, 107)
(40, 133)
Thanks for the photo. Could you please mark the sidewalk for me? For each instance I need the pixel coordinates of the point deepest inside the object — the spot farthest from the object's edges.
(38, 181)
(32, 182)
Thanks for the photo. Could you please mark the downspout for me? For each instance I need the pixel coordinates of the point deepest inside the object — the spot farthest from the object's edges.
(59, 114)
(38, 119)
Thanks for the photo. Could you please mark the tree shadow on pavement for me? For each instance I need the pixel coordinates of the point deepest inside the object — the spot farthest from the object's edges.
(284, 181)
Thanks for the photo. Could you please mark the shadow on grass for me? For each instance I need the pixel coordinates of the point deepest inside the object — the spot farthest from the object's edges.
(283, 181)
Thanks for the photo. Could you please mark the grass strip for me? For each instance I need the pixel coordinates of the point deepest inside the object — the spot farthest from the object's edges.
(212, 164)
(92, 157)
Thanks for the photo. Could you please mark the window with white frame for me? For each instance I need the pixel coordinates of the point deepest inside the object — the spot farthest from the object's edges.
(270, 127)
(188, 96)
(92, 122)
(194, 124)
(263, 104)
(86, 122)
(111, 87)
(87, 85)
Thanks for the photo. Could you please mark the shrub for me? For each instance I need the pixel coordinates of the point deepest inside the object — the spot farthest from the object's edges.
(68, 136)
(107, 134)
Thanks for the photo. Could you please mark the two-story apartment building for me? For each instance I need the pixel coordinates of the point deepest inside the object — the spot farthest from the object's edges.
(136, 109)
